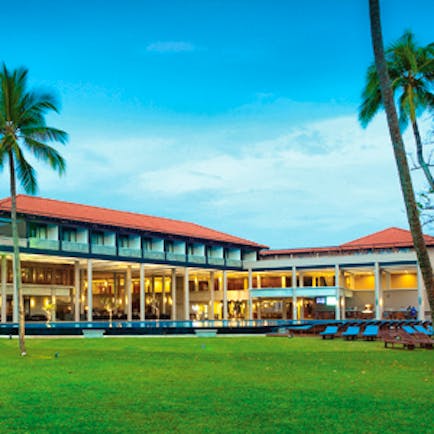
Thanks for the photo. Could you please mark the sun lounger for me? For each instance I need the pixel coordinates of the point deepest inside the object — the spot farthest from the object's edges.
(421, 329)
(329, 332)
(351, 333)
(370, 333)
(408, 329)
(423, 340)
(399, 337)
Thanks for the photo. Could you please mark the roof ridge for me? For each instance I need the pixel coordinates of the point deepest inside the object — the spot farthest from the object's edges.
(374, 234)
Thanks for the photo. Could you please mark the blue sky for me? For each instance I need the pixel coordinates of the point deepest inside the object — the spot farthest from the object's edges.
(238, 115)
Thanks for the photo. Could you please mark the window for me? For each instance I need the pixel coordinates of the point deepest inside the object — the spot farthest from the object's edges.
(69, 234)
(38, 230)
(124, 241)
(190, 249)
(147, 244)
(169, 246)
(97, 237)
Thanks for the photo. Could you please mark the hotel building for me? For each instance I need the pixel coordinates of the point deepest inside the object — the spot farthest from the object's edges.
(84, 263)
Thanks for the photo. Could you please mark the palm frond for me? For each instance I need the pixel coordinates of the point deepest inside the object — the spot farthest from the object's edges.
(25, 173)
(44, 134)
(411, 71)
(46, 153)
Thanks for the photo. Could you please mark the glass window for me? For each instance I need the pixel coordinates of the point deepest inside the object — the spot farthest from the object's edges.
(168, 246)
(97, 237)
(69, 234)
(38, 230)
(124, 241)
(147, 244)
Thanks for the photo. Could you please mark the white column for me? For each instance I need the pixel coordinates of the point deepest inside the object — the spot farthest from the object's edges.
(225, 294)
(294, 292)
(163, 294)
(129, 294)
(420, 296)
(343, 307)
(250, 285)
(82, 300)
(142, 292)
(338, 294)
(15, 293)
(186, 296)
(378, 292)
(89, 290)
(173, 284)
(3, 284)
(76, 291)
(211, 295)
(53, 303)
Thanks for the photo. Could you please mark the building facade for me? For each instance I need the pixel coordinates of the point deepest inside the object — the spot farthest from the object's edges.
(84, 263)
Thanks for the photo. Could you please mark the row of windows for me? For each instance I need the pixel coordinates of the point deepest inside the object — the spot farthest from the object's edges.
(70, 234)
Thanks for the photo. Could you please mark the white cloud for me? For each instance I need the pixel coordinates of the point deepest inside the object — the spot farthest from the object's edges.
(170, 47)
(314, 183)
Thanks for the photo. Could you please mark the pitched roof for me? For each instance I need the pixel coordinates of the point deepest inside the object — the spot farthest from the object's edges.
(38, 206)
(387, 238)
(390, 237)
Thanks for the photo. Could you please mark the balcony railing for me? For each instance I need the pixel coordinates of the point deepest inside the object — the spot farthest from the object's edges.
(130, 252)
(216, 261)
(234, 263)
(8, 241)
(70, 246)
(196, 259)
(179, 257)
(148, 254)
(103, 250)
(37, 243)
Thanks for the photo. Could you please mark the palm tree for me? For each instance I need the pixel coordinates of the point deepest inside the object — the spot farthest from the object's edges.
(411, 71)
(23, 128)
(399, 150)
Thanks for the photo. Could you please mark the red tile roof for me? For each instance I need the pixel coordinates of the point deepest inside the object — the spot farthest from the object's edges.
(42, 207)
(387, 238)
(390, 237)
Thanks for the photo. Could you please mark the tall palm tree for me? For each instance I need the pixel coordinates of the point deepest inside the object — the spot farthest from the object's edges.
(399, 151)
(23, 128)
(411, 71)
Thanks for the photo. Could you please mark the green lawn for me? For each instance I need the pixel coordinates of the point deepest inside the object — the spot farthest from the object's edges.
(247, 384)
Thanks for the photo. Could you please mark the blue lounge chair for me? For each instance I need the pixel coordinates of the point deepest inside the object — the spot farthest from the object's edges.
(421, 329)
(371, 332)
(329, 332)
(351, 333)
(409, 329)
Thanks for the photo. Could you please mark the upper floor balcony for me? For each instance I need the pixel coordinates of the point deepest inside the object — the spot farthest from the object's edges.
(81, 240)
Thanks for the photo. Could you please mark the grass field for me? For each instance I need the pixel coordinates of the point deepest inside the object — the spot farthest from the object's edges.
(247, 384)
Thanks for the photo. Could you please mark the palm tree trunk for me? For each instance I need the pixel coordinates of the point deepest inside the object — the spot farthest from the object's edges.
(18, 294)
(420, 157)
(399, 151)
